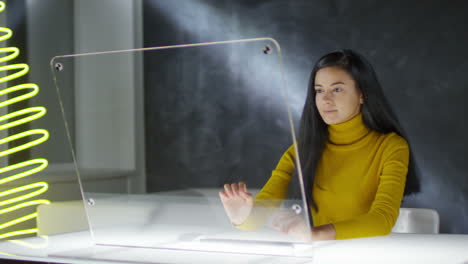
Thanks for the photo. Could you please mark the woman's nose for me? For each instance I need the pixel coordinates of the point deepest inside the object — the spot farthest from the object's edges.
(328, 97)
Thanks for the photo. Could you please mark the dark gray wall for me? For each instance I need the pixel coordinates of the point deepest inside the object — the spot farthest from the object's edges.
(418, 49)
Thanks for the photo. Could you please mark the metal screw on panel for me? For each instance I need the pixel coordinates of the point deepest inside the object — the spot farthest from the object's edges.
(296, 208)
(91, 202)
(266, 50)
(58, 66)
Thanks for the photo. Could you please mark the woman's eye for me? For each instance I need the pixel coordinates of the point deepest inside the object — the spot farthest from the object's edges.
(337, 89)
(318, 91)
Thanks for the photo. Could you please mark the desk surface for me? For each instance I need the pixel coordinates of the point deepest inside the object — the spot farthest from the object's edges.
(395, 248)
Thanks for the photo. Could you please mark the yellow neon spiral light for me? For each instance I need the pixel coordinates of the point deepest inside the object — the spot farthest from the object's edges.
(41, 135)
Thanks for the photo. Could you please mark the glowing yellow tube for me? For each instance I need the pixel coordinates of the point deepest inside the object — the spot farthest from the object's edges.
(7, 35)
(18, 220)
(42, 165)
(20, 232)
(42, 244)
(23, 70)
(45, 136)
(14, 53)
(7, 254)
(35, 90)
(43, 188)
(40, 111)
(25, 115)
(19, 206)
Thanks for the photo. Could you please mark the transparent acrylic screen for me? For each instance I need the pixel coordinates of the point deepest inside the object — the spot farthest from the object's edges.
(167, 128)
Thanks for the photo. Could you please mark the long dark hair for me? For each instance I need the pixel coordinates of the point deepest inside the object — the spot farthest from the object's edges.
(376, 112)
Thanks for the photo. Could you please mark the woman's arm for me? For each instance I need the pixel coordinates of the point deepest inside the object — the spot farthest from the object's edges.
(273, 192)
(384, 210)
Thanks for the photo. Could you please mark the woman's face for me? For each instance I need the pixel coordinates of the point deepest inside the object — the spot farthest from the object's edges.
(337, 97)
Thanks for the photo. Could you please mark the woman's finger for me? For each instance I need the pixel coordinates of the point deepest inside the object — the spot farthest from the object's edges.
(243, 186)
(222, 195)
(228, 190)
(235, 189)
(245, 195)
(243, 191)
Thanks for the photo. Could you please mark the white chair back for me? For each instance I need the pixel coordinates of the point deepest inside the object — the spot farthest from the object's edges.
(417, 220)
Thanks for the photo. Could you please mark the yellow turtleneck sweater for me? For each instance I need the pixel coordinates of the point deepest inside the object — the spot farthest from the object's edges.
(359, 181)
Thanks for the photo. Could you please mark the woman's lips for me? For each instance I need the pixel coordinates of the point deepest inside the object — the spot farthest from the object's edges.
(329, 111)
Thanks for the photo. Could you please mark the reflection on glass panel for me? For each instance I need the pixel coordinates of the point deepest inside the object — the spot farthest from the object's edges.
(215, 124)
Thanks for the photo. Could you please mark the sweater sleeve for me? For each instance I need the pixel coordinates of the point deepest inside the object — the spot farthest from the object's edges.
(384, 210)
(273, 192)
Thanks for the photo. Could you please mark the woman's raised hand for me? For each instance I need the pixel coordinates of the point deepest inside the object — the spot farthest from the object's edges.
(237, 202)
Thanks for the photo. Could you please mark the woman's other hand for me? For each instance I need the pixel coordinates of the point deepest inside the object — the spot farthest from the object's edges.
(294, 225)
(237, 202)
(291, 224)
(324, 232)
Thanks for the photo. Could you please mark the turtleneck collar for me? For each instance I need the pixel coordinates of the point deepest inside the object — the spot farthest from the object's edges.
(347, 132)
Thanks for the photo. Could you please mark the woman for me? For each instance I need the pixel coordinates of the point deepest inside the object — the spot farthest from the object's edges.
(354, 158)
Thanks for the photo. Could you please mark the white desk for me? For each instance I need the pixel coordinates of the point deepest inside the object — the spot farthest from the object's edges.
(149, 218)
(395, 248)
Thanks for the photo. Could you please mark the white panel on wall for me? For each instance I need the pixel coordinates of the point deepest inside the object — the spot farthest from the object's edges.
(108, 115)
